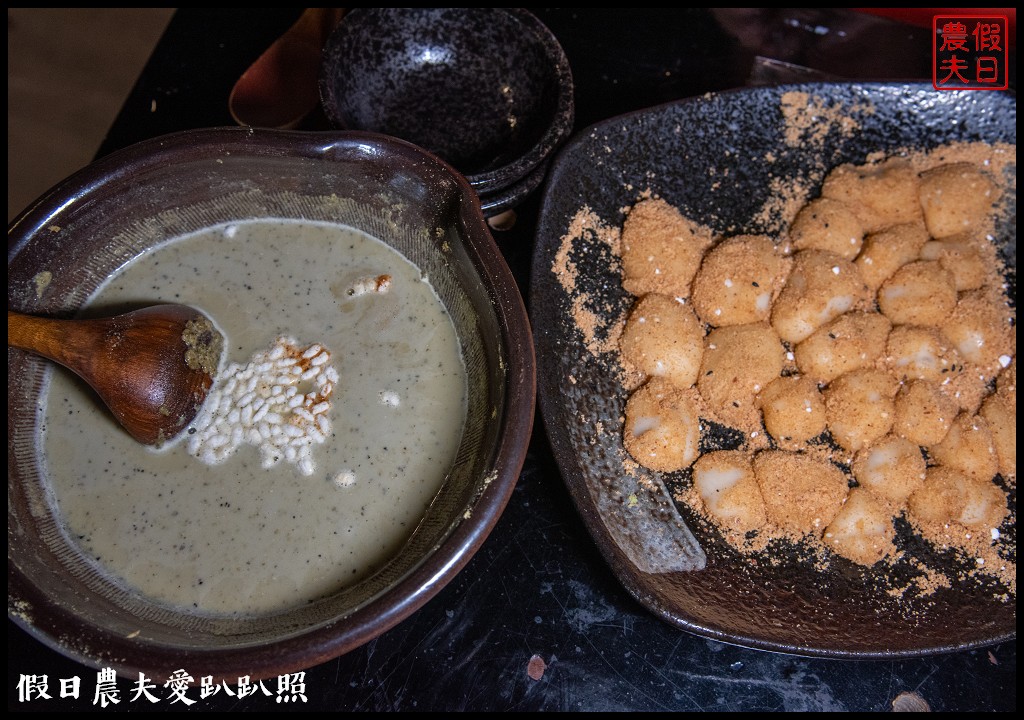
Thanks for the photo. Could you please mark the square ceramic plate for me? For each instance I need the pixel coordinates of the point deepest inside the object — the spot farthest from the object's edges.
(720, 158)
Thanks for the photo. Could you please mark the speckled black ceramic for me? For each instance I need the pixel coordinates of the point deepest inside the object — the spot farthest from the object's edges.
(122, 206)
(489, 90)
(718, 158)
(502, 199)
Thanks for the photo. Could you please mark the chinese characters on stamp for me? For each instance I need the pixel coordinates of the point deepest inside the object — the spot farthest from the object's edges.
(969, 52)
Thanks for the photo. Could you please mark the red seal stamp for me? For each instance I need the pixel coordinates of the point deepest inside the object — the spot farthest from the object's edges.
(969, 52)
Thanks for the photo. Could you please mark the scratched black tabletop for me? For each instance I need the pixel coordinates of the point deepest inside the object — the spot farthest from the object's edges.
(538, 586)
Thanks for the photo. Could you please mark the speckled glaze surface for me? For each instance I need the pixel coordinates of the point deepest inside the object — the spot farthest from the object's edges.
(707, 156)
(90, 225)
(502, 199)
(488, 90)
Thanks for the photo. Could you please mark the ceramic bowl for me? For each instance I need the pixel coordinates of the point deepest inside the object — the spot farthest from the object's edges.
(488, 90)
(122, 206)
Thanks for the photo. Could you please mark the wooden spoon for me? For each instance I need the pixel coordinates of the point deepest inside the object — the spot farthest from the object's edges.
(152, 367)
(280, 89)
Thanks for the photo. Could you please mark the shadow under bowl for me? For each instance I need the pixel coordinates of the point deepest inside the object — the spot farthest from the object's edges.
(124, 205)
(488, 90)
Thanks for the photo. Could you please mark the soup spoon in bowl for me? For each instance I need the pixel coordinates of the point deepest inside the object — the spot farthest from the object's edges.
(152, 367)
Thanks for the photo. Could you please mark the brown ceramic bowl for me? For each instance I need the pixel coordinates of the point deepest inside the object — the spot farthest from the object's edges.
(91, 224)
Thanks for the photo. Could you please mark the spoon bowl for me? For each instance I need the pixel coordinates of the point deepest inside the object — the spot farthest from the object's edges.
(152, 367)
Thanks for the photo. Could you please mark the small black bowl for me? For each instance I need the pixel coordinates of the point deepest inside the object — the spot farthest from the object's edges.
(488, 90)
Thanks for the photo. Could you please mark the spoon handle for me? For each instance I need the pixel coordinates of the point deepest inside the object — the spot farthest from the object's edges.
(73, 344)
(152, 367)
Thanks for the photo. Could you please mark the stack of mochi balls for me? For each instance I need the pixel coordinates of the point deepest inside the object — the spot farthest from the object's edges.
(865, 356)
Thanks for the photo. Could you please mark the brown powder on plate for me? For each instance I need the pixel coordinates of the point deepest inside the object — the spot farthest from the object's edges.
(809, 119)
(586, 233)
(786, 198)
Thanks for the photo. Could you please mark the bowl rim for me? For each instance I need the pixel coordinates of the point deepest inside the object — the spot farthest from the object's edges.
(503, 199)
(554, 135)
(49, 620)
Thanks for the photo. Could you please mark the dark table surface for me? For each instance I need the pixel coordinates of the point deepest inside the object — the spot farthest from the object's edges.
(538, 586)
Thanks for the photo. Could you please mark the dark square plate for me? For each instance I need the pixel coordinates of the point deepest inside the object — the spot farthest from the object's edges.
(719, 159)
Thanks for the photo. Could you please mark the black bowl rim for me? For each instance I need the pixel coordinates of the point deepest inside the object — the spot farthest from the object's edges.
(498, 201)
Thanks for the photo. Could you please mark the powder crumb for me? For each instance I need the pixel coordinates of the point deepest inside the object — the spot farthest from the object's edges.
(587, 233)
(809, 120)
(536, 667)
(204, 345)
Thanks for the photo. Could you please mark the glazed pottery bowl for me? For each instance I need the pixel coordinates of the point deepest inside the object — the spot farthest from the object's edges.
(63, 249)
(488, 90)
